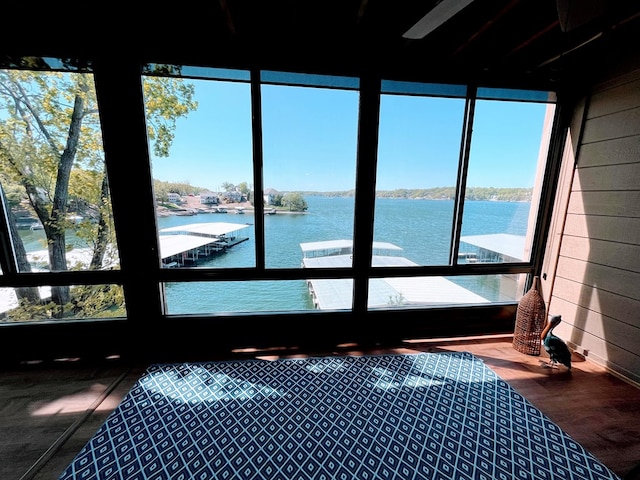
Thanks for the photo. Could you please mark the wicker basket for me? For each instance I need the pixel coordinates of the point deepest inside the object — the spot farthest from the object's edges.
(530, 320)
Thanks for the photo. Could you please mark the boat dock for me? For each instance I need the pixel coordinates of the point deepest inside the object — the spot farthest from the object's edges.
(497, 247)
(337, 294)
(186, 244)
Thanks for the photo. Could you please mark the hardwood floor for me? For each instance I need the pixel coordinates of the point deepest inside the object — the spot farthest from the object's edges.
(49, 411)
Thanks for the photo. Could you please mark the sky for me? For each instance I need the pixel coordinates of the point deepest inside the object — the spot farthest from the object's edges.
(310, 140)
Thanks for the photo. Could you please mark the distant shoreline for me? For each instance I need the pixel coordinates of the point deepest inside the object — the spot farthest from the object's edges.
(193, 207)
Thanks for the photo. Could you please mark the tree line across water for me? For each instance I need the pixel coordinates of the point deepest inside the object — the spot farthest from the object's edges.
(500, 194)
(445, 193)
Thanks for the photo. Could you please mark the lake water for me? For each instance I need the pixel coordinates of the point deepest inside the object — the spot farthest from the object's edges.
(422, 228)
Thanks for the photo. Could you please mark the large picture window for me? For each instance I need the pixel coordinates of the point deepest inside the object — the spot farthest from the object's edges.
(256, 198)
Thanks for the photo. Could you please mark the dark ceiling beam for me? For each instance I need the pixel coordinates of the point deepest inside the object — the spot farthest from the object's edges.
(571, 50)
(532, 39)
(227, 14)
(608, 30)
(487, 26)
(361, 10)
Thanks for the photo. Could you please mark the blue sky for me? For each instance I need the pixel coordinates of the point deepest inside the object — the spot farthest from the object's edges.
(310, 136)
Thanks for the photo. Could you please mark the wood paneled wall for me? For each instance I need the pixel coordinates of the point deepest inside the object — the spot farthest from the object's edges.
(592, 265)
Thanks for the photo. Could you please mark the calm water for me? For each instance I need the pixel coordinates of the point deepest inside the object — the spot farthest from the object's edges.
(421, 227)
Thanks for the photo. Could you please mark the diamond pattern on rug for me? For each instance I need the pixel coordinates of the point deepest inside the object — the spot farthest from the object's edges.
(413, 416)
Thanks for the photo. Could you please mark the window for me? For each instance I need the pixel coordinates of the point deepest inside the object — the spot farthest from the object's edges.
(418, 162)
(456, 170)
(308, 138)
(428, 186)
(55, 197)
(309, 141)
(202, 165)
(256, 198)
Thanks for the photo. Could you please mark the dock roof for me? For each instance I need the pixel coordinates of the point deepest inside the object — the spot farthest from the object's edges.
(503, 243)
(176, 244)
(345, 261)
(209, 228)
(344, 244)
(336, 294)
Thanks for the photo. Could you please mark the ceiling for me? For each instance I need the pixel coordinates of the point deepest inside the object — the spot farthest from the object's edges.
(515, 42)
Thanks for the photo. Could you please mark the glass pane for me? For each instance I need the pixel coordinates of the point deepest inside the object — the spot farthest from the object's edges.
(506, 166)
(238, 297)
(52, 173)
(309, 146)
(420, 292)
(200, 138)
(39, 303)
(418, 156)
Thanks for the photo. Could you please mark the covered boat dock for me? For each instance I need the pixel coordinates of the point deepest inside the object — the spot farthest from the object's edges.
(496, 247)
(336, 294)
(186, 244)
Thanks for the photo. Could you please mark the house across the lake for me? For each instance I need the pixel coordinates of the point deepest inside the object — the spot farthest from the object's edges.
(209, 198)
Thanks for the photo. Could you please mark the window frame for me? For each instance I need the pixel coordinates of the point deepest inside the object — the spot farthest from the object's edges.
(371, 89)
(11, 277)
(119, 92)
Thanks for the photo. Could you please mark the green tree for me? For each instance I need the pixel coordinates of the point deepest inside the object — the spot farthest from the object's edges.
(295, 202)
(228, 187)
(51, 145)
(245, 189)
(161, 191)
(277, 200)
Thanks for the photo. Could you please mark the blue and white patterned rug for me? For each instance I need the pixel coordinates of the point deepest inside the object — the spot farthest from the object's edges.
(414, 416)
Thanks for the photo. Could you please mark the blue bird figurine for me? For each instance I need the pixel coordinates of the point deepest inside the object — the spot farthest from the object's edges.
(557, 349)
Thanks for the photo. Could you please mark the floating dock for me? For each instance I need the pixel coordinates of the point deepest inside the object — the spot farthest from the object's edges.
(186, 244)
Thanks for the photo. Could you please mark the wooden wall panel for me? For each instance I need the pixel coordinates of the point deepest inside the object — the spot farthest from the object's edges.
(627, 72)
(611, 152)
(624, 363)
(621, 204)
(598, 227)
(602, 327)
(619, 125)
(624, 176)
(598, 300)
(595, 283)
(622, 282)
(617, 98)
(601, 252)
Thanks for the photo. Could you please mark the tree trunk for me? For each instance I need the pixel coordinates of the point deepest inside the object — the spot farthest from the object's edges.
(55, 230)
(103, 227)
(30, 294)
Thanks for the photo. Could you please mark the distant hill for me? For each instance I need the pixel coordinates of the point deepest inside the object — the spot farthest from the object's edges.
(444, 193)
